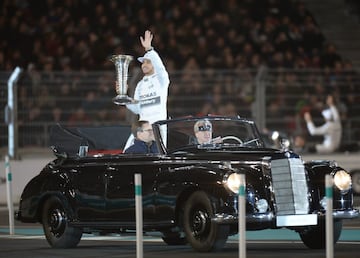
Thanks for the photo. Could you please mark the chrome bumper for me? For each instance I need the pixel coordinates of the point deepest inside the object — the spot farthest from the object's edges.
(352, 214)
(223, 218)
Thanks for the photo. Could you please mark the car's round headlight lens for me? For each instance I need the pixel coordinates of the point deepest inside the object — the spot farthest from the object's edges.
(233, 182)
(342, 180)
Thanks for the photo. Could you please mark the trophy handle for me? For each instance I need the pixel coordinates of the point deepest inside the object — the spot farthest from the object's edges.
(122, 63)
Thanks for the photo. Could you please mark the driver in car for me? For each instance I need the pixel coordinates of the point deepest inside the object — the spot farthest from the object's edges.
(203, 133)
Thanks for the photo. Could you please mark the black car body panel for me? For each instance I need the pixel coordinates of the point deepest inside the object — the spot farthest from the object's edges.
(96, 192)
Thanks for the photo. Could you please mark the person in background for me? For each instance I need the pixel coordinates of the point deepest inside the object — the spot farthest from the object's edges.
(144, 138)
(152, 90)
(299, 143)
(331, 129)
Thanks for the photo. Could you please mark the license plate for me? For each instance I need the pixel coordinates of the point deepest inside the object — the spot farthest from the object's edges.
(296, 220)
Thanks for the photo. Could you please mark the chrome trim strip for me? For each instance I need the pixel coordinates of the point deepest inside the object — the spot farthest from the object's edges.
(230, 218)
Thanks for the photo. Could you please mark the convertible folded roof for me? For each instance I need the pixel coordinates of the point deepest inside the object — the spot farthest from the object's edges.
(67, 140)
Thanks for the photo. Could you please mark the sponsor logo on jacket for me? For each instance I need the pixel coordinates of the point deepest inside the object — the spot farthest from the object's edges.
(150, 102)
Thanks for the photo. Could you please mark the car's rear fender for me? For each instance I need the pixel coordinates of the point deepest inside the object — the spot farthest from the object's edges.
(37, 191)
(64, 200)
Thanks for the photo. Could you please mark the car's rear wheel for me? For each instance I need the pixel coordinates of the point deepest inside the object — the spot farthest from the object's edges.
(202, 233)
(315, 237)
(55, 224)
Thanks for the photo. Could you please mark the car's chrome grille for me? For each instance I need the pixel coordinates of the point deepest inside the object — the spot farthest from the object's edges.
(289, 186)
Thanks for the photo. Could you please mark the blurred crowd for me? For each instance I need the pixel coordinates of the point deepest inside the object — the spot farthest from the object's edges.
(81, 34)
(353, 9)
(242, 36)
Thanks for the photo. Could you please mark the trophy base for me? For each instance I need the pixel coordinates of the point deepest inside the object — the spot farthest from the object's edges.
(123, 100)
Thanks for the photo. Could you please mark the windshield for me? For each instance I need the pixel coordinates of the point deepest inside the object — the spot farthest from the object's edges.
(208, 132)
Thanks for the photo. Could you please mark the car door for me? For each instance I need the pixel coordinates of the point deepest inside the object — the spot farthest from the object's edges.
(120, 189)
(89, 189)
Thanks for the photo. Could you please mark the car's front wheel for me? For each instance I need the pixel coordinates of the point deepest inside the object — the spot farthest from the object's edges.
(202, 233)
(55, 224)
(315, 237)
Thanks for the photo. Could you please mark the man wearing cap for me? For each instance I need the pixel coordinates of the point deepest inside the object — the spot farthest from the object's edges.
(203, 132)
(152, 90)
(331, 129)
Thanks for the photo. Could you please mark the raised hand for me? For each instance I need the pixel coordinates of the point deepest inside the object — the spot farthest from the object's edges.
(146, 40)
(307, 117)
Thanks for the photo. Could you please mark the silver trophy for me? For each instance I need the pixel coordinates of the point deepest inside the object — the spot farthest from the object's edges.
(121, 63)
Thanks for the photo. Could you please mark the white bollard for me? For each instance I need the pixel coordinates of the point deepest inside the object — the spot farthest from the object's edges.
(242, 218)
(12, 113)
(329, 217)
(10, 203)
(139, 216)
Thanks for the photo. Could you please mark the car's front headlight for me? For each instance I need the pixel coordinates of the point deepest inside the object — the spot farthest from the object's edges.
(233, 182)
(342, 180)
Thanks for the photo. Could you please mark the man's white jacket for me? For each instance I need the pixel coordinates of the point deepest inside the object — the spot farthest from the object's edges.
(152, 91)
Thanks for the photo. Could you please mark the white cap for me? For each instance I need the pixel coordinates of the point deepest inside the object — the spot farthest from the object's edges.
(146, 56)
(327, 114)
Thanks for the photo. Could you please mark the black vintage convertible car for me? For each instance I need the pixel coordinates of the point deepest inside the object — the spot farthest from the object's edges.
(189, 189)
